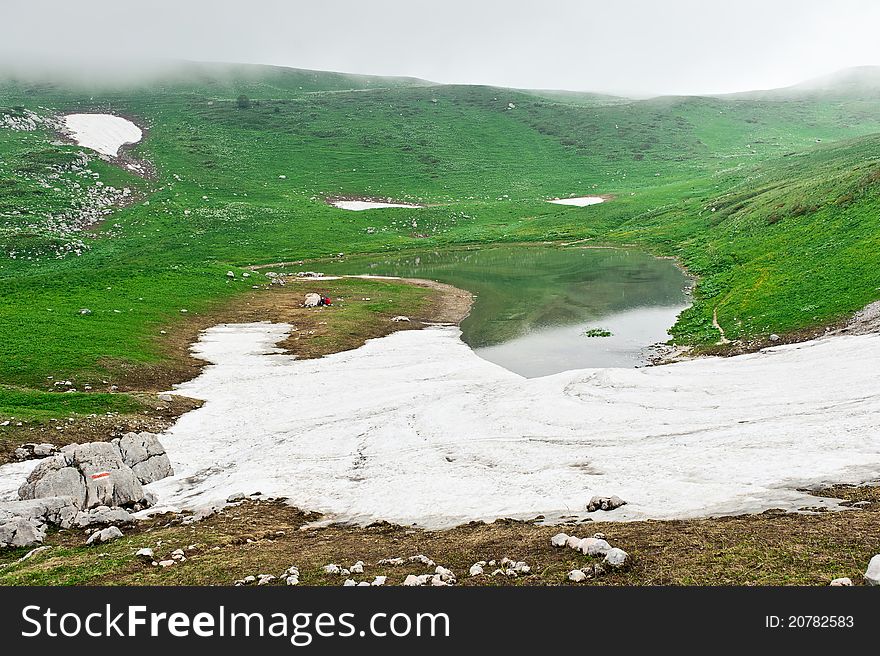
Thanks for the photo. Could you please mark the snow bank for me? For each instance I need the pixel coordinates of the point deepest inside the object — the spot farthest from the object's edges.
(104, 133)
(360, 205)
(583, 201)
(415, 428)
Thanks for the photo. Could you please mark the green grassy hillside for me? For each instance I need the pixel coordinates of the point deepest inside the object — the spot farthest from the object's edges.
(773, 202)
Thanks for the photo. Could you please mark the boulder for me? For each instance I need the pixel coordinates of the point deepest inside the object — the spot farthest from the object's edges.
(872, 575)
(146, 456)
(594, 547)
(108, 480)
(145, 554)
(312, 300)
(577, 576)
(20, 532)
(59, 511)
(102, 516)
(616, 558)
(55, 477)
(559, 540)
(104, 535)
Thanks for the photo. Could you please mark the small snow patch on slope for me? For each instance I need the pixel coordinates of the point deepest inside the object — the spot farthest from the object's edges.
(104, 133)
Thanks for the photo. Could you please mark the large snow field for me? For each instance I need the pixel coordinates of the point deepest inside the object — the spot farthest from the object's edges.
(104, 133)
(415, 428)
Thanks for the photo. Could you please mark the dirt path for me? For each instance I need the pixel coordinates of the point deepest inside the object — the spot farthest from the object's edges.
(718, 327)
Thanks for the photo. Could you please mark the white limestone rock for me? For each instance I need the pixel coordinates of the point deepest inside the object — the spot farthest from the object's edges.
(577, 576)
(105, 535)
(872, 575)
(616, 558)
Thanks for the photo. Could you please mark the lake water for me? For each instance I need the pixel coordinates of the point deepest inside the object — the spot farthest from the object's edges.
(535, 303)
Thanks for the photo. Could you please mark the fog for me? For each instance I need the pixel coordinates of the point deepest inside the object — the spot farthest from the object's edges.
(635, 47)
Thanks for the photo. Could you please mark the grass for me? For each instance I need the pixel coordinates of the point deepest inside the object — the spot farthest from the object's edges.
(267, 537)
(771, 203)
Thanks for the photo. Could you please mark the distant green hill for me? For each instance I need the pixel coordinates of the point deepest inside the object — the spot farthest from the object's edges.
(772, 198)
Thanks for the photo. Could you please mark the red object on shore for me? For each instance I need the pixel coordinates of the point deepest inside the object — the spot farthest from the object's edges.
(325, 300)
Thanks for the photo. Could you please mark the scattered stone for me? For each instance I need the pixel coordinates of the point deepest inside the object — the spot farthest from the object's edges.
(331, 569)
(146, 554)
(476, 569)
(167, 563)
(774, 337)
(234, 498)
(167, 398)
(577, 576)
(379, 580)
(573, 542)
(605, 503)
(391, 561)
(263, 579)
(85, 311)
(872, 575)
(842, 582)
(32, 450)
(349, 583)
(312, 300)
(105, 535)
(616, 558)
(230, 274)
(594, 547)
(559, 540)
(421, 558)
(399, 318)
(357, 568)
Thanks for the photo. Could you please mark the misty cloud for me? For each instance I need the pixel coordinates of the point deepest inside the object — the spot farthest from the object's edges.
(624, 46)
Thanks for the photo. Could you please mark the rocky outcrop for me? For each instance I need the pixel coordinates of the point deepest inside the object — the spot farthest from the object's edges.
(84, 485)
(101, 473)
(146, 456)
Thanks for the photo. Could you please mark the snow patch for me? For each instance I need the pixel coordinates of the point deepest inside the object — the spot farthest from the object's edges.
(104, 133)
(582, 201)
(360, 205)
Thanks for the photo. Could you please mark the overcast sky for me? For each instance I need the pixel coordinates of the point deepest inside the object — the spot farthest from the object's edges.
(635, 46)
